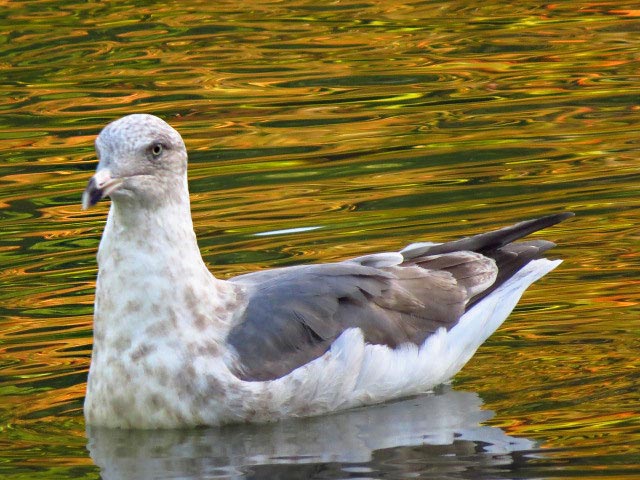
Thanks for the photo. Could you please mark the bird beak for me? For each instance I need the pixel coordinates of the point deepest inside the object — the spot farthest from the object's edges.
(100, 185)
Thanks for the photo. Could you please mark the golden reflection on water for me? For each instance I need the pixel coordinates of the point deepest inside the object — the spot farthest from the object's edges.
(368, 126)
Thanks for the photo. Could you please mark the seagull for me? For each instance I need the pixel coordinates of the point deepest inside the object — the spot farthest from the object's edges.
(175, 347)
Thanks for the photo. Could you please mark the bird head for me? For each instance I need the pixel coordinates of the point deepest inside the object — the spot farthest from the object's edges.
(142, 161)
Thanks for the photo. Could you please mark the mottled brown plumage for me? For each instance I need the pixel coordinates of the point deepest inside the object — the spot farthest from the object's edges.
(176, 347)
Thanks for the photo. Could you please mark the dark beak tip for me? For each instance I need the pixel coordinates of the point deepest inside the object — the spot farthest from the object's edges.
(91, 195)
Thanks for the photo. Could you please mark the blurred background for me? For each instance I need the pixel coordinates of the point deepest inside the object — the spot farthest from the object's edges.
(318, 131)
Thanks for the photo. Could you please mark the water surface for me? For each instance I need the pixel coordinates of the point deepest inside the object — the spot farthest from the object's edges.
(319, 131)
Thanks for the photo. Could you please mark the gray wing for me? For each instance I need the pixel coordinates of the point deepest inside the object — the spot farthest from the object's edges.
(293, 315)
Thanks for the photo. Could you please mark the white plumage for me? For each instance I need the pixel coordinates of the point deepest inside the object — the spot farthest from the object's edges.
(176, 347)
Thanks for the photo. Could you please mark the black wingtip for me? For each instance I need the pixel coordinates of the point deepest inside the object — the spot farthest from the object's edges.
(528, 227)
(489, 241)
(506, 235)
(558, 217)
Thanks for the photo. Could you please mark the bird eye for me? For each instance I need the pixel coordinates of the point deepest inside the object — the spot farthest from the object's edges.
(156, 149)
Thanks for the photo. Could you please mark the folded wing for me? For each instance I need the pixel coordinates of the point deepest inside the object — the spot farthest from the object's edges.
(294, 314)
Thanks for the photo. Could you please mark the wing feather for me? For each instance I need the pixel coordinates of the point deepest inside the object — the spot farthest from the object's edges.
(293, 315)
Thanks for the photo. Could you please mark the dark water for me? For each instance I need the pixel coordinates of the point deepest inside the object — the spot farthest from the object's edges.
(320, 131)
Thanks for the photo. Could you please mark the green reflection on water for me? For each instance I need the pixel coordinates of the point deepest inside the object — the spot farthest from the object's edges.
(370, 125)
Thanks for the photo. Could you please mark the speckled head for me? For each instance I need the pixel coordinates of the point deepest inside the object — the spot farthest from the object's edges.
(141, 160)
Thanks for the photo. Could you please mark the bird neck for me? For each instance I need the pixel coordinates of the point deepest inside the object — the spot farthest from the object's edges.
(150, 267)
(156, 238)
(158, 312)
